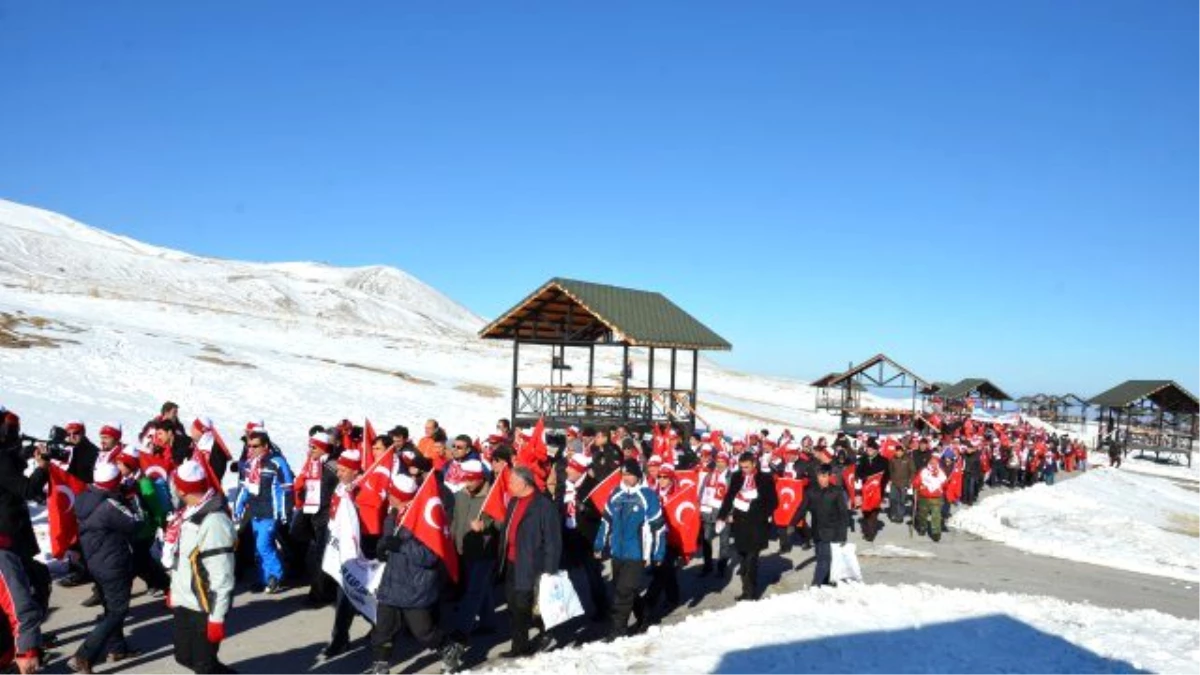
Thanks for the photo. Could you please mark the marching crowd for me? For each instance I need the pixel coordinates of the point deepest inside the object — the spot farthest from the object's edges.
(454, 519)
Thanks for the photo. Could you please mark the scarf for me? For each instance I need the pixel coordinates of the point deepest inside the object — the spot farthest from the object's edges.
(311, 475)
(253, 476)
(747, 494)
(570, 491)
(170, 547)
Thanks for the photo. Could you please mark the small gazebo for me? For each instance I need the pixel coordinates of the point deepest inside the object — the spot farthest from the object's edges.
(968, 393)
(1156, 416)
(566, 314)
(842, 393)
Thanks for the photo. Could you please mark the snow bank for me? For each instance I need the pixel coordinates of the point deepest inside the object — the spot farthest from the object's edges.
(1148, 466)
(1106, 517)
(911, 628)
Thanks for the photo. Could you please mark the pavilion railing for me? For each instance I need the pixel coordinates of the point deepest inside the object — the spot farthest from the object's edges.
(603, 403)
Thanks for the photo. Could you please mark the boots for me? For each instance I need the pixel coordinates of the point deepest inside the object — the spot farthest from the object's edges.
(707, 569)
(379, 668)
(722, 567)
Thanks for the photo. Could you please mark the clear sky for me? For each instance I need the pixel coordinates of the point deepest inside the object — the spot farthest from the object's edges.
(1001, 189)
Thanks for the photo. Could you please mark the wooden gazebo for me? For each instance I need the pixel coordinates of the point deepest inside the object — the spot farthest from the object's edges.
(567, 314)
(1157, 416)
(964, 394)
(842, 393)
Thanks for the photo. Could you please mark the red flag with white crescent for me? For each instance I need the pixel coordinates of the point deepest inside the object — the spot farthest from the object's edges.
(790, 494)
(872, 492)
(954, 485)
(368, 442)
(496, 502)
(427, 519)
(688, 478)
(60, 510)
(682, 512)
(848, 481)
(603, 490)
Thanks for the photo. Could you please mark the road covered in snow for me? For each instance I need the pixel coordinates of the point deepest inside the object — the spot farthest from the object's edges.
(906, 629)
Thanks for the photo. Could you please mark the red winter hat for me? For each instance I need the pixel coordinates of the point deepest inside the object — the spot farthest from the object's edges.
(472, 469)
(129, 456)
(351, 459)
(113, 431)
(190, 478)
(75, 427)
(723, 456)
(579, 461)
(402, 487)
(319, 440)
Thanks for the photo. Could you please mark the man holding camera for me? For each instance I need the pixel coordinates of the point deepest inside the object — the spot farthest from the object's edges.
(16, 489)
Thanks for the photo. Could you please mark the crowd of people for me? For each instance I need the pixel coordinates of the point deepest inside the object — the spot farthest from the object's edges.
(514, 507)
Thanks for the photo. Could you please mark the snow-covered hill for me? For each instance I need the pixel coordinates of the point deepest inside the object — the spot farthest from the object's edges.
(102, 327)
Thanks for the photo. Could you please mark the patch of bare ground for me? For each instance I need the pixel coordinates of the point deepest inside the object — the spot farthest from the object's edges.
(217, 361)
(20, 331)
(411, 379)
(1184, 523)
(484, 390)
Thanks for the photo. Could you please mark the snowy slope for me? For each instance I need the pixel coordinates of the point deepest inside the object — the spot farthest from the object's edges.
(108, 328)
(901, 629)
(1107, 517)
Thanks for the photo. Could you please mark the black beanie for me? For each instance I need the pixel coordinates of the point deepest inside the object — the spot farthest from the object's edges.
(632, 468)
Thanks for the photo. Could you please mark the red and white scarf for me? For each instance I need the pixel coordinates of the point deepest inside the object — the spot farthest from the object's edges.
(312, 483)
(747, 494)
(253, 476)
(170, 547)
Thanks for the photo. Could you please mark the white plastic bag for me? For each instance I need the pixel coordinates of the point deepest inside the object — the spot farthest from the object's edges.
(844, 564)
(557, 600)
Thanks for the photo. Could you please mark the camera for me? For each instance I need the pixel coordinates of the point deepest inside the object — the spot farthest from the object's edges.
(57, 448)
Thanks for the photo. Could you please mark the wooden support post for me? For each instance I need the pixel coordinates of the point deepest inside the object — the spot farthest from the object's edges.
(516, 363)
(650, 386)
(695, 387)
(625, 383)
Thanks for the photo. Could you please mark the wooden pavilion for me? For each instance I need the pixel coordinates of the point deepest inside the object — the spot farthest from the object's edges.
(1157, 416)
(842, 393)
(967, 393)
(566, 314)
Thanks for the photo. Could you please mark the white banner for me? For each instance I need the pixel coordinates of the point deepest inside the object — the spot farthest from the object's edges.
(344, 561)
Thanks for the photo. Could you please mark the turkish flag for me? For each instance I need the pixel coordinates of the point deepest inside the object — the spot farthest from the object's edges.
(682, 512)
(691, 478)
(789, 493)
(368, 442)
(872, 492)
(60, 510)
(848, 481)
(496, 503)
(954, 486)
(427, 519)
(535, 455)
(603, 490)
(371, 498)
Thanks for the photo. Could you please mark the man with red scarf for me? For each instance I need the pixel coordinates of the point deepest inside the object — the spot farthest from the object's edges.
(313, 491)
(748, 509)
(713, 489)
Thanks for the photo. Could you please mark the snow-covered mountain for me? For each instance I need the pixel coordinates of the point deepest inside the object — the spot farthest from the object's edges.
(101, 327)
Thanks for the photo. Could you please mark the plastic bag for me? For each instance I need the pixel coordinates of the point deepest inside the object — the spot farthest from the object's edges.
(844, 564)
(557, 600)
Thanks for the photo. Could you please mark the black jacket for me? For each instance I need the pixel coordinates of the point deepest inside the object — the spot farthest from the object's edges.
(605, 459)
(83, 460)
(751, 528)
(830, 513)
(15, 490)
(973, 464)
(539, 542)
(868, 466)
(181, 449)
(577, 542)
(412, 578)
(106, 529)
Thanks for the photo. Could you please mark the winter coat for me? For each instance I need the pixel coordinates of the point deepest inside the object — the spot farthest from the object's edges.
(579, 541)
(605, 459)
(412, 578)
(632, 526)
(106, 529)
(20, 614)
(973, 464)
(901, 470)
(751, 527)
(868, 466)
(829, 510)
(274, 498)
(83, 460)
(539, 542)
(15, 490)
(203, 579)
(472, 545)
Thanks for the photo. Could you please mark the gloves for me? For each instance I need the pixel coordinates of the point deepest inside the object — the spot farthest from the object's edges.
(216, 631)
(167, 597)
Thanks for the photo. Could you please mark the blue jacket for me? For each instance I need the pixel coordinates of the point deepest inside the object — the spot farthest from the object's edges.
(274, 498)
(412, 577)
(633, 526)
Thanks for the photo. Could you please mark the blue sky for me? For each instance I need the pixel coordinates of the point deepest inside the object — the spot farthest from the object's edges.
(996, 189)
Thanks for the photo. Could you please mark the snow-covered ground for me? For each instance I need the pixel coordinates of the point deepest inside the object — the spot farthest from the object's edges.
(903, 629)
(1107, 517)
(1148, 466)
(102, 328)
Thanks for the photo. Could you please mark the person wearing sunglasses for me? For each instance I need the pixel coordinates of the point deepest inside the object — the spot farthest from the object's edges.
(265, 498)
